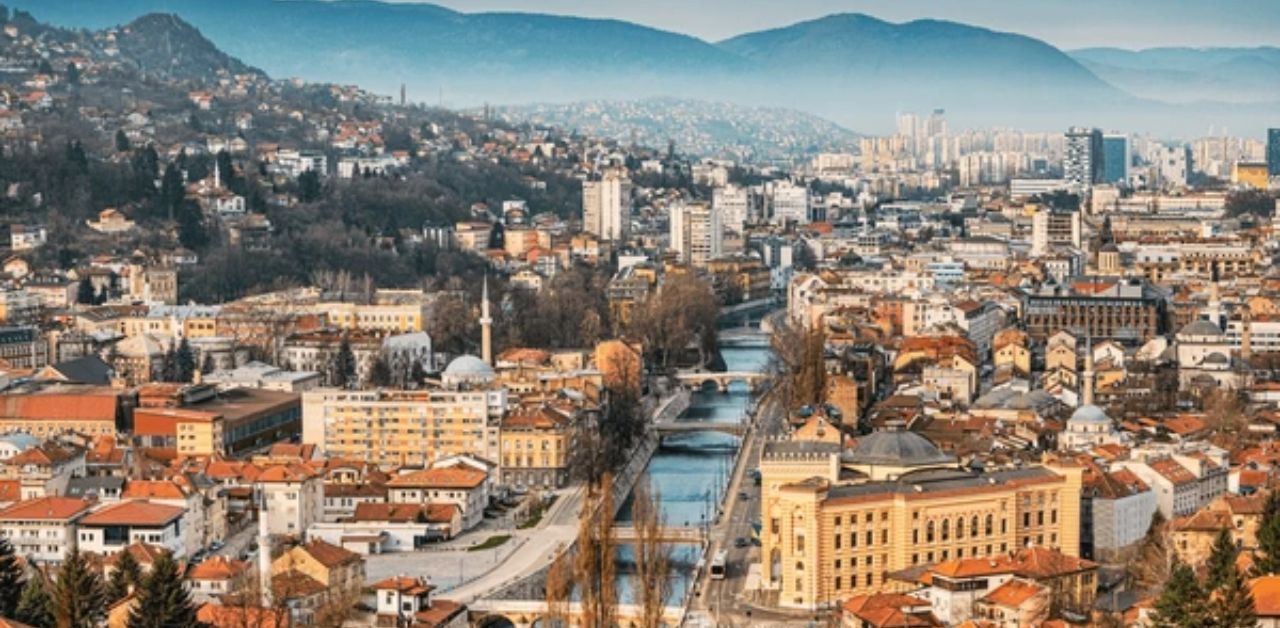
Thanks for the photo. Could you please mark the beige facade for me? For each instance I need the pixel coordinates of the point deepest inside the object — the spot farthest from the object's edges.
(830, 532)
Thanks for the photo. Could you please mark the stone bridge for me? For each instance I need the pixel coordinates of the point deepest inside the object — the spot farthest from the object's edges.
(530, 614)
(696, 380)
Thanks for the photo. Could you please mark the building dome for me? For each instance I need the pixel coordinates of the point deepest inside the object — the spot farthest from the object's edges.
(1200, 328)
(1089, 414)
(899, 448)
(468, 368)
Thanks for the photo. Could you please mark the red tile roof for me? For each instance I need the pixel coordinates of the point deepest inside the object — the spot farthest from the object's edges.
(46, 509)
(134, 513)
(217, 568)
(455, 476)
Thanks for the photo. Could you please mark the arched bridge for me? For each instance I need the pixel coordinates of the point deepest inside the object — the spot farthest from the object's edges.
(529, 613)
(684, 427)
(695, 380)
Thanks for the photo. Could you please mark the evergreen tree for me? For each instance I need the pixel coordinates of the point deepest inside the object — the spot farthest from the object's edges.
(191, 230)
(379, 372)
(35, 607)
(1266, 559)
(79, 600)
(10, 579)
(163, 601)
(207, 365)
(125, 578)
(184, 360)
(309, 186)
(122, 141)
(344, 365)
(172, 192)
(73, 74)
(84, 293)
(168, 366)
(1232, 605)
(1222, 560)
(1183, 603)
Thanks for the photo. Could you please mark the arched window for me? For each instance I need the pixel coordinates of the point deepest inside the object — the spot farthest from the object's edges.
(928, 532)
(990, 525)
(973, 526)
(959, 527)
(946, 529)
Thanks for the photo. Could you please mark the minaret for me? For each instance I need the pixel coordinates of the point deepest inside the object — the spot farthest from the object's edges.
(486, 326)
(217, 176)
(1246, 334)
(1087, 397)
(264, 551)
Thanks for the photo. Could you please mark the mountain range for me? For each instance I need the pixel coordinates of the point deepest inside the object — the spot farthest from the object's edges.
(853, 69)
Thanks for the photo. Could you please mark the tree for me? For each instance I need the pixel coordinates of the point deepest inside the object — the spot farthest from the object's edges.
(191, 229)
(163, 601)
(169, 366)
(1222, 560)
(34, 606)
(309, 186)
(1232, 605)
(1156, 558)
(652, 556)
(122, 141)
(207, 365)
(559, 589)
(798, 360)
(79, 600)
(1266, 558)
(184, 362)
(1183, 602)
(379, 372)
(10, 579)
(595, 565)
(124, 578)
(1250, 201)
(73, 74)
(342, 373)
(84, 293)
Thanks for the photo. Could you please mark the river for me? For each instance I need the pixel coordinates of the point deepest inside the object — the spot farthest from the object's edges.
(689, 471)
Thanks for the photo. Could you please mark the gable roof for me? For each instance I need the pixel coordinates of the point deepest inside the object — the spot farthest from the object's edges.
(45, 509)
(328, 554)
(134, 513)
(453, 476)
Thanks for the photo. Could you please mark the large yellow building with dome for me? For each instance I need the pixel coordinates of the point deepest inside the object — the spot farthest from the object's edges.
(837, 522)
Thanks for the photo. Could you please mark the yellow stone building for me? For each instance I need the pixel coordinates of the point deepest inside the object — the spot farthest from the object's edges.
(837, 522)
(536, 442)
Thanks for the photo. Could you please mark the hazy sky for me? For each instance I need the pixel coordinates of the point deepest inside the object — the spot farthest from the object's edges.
(1063, 23)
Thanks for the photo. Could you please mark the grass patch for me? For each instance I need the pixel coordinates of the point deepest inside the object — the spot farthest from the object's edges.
(490, 543)
(535, 517)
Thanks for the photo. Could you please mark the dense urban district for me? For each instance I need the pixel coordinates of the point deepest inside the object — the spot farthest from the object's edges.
(288, 354)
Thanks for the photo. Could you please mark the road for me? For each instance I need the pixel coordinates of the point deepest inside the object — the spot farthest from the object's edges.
(720, 599)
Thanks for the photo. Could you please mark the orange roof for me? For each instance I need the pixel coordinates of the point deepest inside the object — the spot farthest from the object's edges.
(429, 513)
(134, 513)
(218, 568)
(534, 417)
(405, 585)
(143, 553)
(1171, 470)
(85, 403)
(1013, 594)
(10, 490)
(152, 489)
(328, 554)
(1040, 562)
(291, 472)
(455, 476)
(220, 616)
(1266, 596)
(46, 509)
(973, 567)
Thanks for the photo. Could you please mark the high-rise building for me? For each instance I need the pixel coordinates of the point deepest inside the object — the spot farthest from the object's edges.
(1050, 228)
(697, 234)
(1082, 157)
(1173, 164)
(606, 205)
(733, 202)
(787, 202)
(1116, 158)
(1273, 152)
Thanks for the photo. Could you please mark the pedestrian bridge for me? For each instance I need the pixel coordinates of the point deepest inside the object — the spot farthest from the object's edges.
(696, 380)
(684, 427)
(668, 534)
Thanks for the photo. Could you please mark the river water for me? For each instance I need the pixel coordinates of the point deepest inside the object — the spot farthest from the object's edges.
(689, 471)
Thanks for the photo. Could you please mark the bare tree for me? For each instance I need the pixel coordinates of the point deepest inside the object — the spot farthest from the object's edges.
(1156, 557)
(652, 556)
(558, 591)
(595, 571)
(798, 360)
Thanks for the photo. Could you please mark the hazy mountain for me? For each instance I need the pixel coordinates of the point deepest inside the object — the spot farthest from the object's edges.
(699, 128)
(1245, 75)
(165, 46)
(854, 70)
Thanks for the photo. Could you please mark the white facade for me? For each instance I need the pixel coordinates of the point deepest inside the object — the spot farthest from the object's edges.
(292, 505)
(787, 202)
(606, 206)
(733, 203)
(697, 234)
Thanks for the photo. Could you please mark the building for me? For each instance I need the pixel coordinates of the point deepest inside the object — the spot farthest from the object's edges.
(293, 496)
(45, 411)
(43, 529)
(536, 442)
(606, 205)
(1252, 174)
(787, 202)
(1128, 311)
(404, 601)
(1173, 166)
(109, 530)
(337, 569)
(1116, 512)
(696, 232)
(23, 347)
(1082, 160)
(734, 204)
(1116, 158)
(1050, 228)
(1273, 152)
(200, 420)
(837, 522)
(459, 484)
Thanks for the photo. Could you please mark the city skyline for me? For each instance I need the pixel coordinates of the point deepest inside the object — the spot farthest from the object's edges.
(1249, 23)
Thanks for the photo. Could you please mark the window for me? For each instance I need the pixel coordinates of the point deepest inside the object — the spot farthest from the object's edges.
(1026, 519)
(838, 587)
(990, 528)
(946, 529)
(837, 539)
(871, 538)
(928, 532)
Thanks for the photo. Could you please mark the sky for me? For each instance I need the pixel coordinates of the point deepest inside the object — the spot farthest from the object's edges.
(1067, 24)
